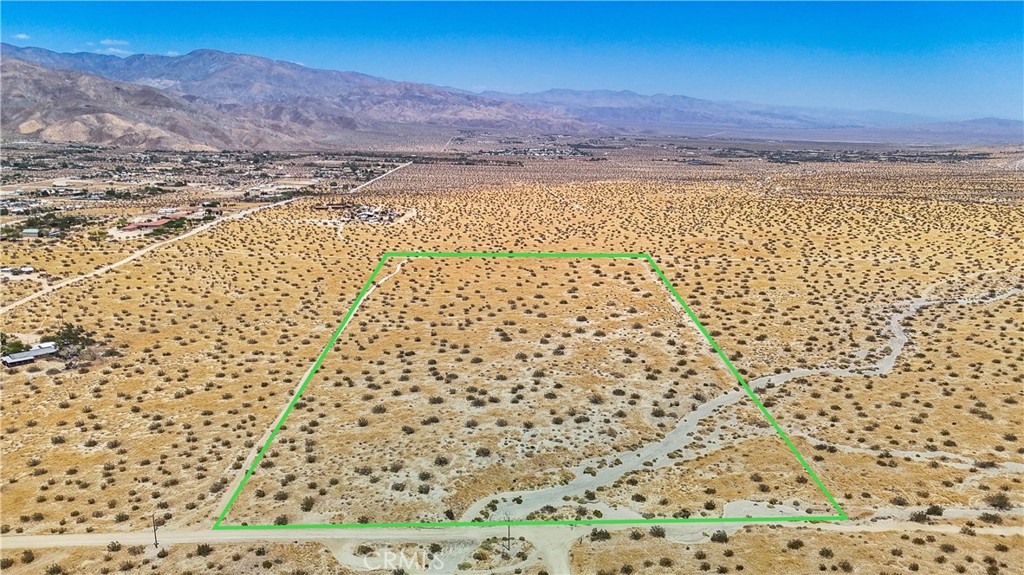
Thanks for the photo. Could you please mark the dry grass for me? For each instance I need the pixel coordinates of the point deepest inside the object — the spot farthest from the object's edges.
(310, 558)
(787, 266)
(764, 550)
(510, 370)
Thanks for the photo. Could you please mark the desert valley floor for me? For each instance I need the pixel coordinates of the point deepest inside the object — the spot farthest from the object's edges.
(874, 306)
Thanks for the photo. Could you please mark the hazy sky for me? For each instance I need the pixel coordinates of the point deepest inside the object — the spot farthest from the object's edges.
(950, 60)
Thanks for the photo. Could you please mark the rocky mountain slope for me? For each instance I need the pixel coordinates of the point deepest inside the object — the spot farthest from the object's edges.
(212, 99)
(303, 102)
(66, 106)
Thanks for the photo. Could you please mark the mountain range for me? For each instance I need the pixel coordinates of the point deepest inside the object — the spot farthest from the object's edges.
(208, 99)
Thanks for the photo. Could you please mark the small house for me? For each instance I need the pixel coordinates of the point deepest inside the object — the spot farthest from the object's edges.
(30, 355)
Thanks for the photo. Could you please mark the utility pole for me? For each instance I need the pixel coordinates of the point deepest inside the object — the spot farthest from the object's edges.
(508, 537)
(155, 542)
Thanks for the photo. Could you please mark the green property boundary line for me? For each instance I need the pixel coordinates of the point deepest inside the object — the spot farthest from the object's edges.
(840, 515)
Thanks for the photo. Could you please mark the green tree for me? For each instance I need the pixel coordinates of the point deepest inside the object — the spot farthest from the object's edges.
(71, 338)
(10, 344)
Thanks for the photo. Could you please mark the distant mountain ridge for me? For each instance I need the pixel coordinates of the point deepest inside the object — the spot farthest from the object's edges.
(243, 79)
(661, 113)
(220, 99)
(67, 106)
(310, 108)
(627, 109)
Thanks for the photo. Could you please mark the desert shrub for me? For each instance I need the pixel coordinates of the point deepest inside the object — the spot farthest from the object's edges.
(919, 517)
(999, 501)
(204, 549)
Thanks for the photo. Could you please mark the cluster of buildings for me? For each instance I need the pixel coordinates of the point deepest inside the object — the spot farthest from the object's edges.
(538, 152)
(151, 225)
(21, 206)
(38, 233)
(29, 355)
(271, 191)
(165, 216)
(18, 271)
(18, 206)
(365, 214)
(58, 191)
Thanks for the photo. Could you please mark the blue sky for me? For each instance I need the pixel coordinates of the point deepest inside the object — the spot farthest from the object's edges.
(948, 60)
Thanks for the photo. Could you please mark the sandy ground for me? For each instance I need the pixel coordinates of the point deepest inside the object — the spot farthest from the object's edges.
(872, 308)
